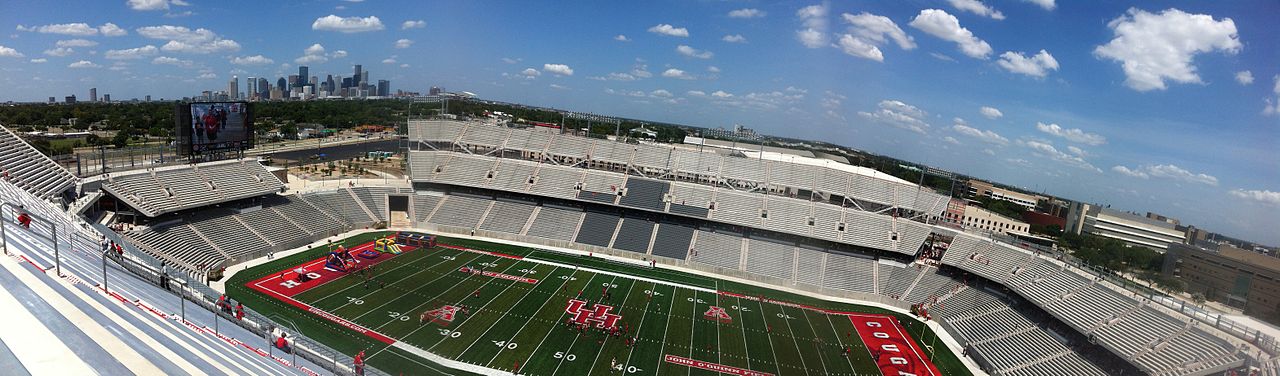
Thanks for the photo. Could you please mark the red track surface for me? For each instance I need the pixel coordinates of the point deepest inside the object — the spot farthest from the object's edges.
(891, 347)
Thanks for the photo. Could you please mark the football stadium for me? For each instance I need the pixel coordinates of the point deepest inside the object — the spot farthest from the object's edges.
(502, 250)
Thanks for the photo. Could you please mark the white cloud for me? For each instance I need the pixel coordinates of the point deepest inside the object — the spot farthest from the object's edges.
(1035, 66)
(59, 52)
(693, 52)
(976, 7)
(621, 38)
(312, 55)
(148, 5)
(939, 23)
(988, 152)
(1077, 151)
(1166, 171)
(79, 28)
(951, 140)
(111, 30)
(1157, 47)
(746, 13)
(660, 93)
(814, 20)
(530, 72)
(877, 30)
(83, 64)
(1045, 149)
(10, 52)
(734, 38)
(558, 87)
(207, 76)
(403, 43)
(510, 60)
(721, 94)
(1244, 77)
(390, 60)
(132, 53)
(857, 47)
(406, 65)
(314, 49)
(413, 24)
(1046, 4)
(668, 30)
(898, 114)
(1262, 196)
(172, 61)
(76, 43)
(35, 61)
(696, 93)
(338, 54)
(985, 136)
(182, 39)
(347, 24)
(991, 112)
(713, 69)
(1073, 134)
(1273, 104)
(557, 69)
(676, 73)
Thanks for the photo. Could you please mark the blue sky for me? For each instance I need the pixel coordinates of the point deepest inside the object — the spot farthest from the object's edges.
(1165, 106)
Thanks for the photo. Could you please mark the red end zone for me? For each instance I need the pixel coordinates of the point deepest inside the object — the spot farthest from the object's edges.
(891, 347)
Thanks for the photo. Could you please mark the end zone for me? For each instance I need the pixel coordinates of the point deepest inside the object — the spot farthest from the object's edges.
(286, 283)
(893, 350)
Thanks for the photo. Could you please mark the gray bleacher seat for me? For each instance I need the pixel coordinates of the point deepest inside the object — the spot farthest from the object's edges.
(634, 235)
(722, 249)
(509, 217)
(31, 170)
(673, 241)
(461, 211)
(770, 258)
(597, 229)
(556, 223)
(645, 194)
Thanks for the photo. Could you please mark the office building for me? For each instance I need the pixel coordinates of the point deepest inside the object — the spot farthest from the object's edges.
(53, 100)
(435, 90)
(355, 79)
(106, 98)
(979, 188)
(264, 88)
(1239, 278)
(1132, 229)
(251, 88)
(282, 85)
(71, 99)
(93, 94)
(384, 88)
(233, 87)
(303, 73)
(147, 98)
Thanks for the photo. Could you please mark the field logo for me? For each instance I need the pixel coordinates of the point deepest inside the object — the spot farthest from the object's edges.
(443, 315)
(598, 314)
(717, 314)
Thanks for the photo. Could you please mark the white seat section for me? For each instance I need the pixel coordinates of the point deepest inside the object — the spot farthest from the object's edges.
(770, 257)
(738, 208)
(849, 273)
(809, 266)
(555, 223)
(460, 211)
(720, 249)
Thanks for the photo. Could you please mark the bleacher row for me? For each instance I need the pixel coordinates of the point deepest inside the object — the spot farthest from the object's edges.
(783, 214)
(29, 169)
(1152, 340)
(171, 189)
(1014, 345)
(218, 236)
(675, 163)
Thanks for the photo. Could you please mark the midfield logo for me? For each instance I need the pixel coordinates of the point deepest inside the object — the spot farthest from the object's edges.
(598, 314)
(443, 315)
(717, 314)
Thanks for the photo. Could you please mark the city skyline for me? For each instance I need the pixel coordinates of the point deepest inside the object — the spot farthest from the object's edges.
(1168, 107)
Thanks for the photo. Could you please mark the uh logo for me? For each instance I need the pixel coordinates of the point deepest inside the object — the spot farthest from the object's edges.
(598, 314)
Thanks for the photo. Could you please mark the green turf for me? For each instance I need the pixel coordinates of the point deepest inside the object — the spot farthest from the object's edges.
(514, 324)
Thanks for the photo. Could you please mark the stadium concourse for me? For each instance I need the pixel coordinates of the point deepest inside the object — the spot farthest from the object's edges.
(791, 237)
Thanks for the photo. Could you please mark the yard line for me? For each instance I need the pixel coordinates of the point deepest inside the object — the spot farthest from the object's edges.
(718, 323)
(442, 275)
(499, 319)
(606, 337)
(553, 328)
(743, 325)
(565, 282)
(513, 306)
(652, 288)
(821, 359)
(769, 333)
(841, 342)
(693, 328)
(575, 338)
(486, 304)
(407, 263)
(793, 340)
(668, 327)
(526, 323)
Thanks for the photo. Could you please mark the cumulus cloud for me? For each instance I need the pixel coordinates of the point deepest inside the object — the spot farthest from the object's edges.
(111, 30)
(207, 76)
(734, 38)
(1153, 48)
(36, 61)
(677, 74)
(59, 52)
(1046, 4)
(721, 94)
(390, 60)
(713, 69)
(693, 52)
(557, 69)
(312, 55)
(1244, 77)
(660, 93)
(943, 25)
(813, 19)
(76, 43)
(991, 112)
(857, 47)
(951, 140)
(867, 32)
(132, 53)
(1166, 171)
(983, 135)
(1273, 104)
(413, 24)
(1035, 66)
(150, 5)
(976, 7)
(1263, 196)
(898, 114)
(621, 38)
(1073, 134)
(558, 87)
(78, 28)
(403, 43)
(746, 13)
(338, 54)
(530, 73)
(83, 64)
(252, 60)
(1047, 150)
(696, 93)
(347, 24)
(172, 61)
(10, 52)
(668, 30)
(182, 39)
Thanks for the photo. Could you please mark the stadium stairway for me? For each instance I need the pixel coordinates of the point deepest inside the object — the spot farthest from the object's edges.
(137, 328)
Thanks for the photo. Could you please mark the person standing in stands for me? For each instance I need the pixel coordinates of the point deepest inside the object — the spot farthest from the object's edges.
(359, 363)
(240, 311)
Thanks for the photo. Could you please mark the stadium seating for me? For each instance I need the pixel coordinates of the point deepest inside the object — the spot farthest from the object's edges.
(175, 188)
(461, 211)
(507, 216)
(645, 194)
(556, 224)
(634, 235)
(597, 229)
(849, 273)
(770, 258)
(719, 249)
(809, 267)
(673, 241)
(1013, 344)
(29, 169)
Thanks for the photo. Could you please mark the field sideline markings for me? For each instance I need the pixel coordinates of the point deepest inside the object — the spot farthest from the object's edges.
(575, 338)
(606, 336)
(817, 345)
(486, 304)
(407, 263)
(849, 357)
(652, 290)
(743, 325)
(531, 318)
(664, 332)
(565, 282)
(792, 331)
(504, 315)
(553, 328)
(593, 270)
(693, 329)
(765, 320)
(411, 292)
(368, 294)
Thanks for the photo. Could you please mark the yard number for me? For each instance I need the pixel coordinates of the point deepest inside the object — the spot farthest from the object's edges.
(630, 369)
(508, 345)
(654, 293)
(397, 316)
(450, 258)
(354, 301)
(568, 278)
(609, 285)
(489, 264)
(737, 308)
(528, 271)
(450, 333)
(699, 301)
(561, 355)
(785, 316)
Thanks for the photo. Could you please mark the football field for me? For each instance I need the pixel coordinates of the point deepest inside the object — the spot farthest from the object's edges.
(536, 313)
